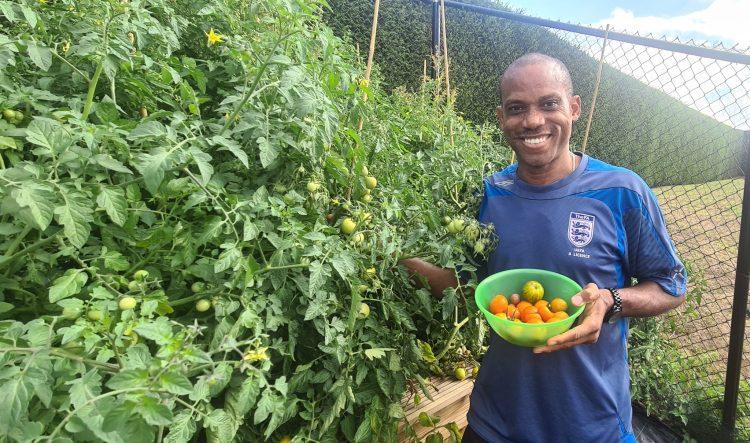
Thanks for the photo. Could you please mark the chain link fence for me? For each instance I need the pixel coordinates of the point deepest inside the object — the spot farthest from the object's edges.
(685, 133)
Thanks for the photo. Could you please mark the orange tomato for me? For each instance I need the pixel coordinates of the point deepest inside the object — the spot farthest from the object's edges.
(534, 318)
(543, 307)
(562, 315)
(499, 304)
(527, 313)
(512, 312)
(522, 305)
(501, 315)
(558, 305)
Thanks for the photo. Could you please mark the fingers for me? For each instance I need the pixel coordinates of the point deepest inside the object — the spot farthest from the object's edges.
(589, 294)
(587, 332)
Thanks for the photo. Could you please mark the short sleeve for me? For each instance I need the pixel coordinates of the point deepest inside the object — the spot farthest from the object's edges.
(652, 255)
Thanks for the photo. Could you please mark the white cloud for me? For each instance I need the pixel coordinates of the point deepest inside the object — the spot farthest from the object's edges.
(725, 20)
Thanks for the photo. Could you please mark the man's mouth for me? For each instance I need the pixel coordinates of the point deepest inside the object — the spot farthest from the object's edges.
(535, 140)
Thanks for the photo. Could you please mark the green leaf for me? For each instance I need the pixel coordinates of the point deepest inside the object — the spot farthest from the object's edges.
(117, 418)
(129, 378)
(155, 413)
(364, 431)
(36, 202)
(5, 307)
(110, 163)
(250, 231)
(152, 167)
(67, 285)
(182, 428)
(374, 353)
(41, 56)
(268, 152)
(75, 215)
(14, 396)
(115, 261)
(85, 388)
(160, 331)
(220, 427)
(148, 129)
(30, 16)
(343, 263)
(203, 161)
(112, 200)
(240, 400)
(318, 306)
(176, 383)
(227, 259)
(230, 145)
(49, 134)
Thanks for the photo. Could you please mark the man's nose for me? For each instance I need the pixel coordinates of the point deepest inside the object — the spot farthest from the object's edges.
(534, 118)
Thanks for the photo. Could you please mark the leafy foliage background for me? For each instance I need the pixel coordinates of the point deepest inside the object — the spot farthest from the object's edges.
(224, 171)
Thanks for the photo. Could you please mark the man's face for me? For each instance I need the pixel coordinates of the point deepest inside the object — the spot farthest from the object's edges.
(537, 115)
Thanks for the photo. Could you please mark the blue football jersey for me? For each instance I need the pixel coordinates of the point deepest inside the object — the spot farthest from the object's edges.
(601, 224)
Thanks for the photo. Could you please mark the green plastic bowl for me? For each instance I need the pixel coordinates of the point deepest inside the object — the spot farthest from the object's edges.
(510, 282)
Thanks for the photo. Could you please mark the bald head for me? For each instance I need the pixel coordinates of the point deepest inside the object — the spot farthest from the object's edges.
(558, 69)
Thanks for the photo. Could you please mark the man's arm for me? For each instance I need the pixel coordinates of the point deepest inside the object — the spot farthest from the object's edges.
(646, 299)
(436, 278)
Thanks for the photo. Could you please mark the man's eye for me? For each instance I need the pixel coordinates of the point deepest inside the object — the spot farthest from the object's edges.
(515, 109)
(551, 104)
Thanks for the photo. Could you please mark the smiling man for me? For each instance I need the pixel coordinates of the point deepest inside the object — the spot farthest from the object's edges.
(593, 222)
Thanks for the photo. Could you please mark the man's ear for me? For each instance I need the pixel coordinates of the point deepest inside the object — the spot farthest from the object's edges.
(500, 115)
(575, 107)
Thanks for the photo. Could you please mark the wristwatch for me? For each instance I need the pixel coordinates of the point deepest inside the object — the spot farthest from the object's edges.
(615, 312)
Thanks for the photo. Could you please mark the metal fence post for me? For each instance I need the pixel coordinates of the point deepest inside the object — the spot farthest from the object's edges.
(435, 48)
(739, 310)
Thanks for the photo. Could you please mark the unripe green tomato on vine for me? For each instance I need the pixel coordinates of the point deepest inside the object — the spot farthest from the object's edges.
(198, 286)
(127, 303)
(95, 315)
(358, 238)
(459, 373)
(71, 313)
(140, 275)
(364, 310)
(371, 182)
(202, 305)
(348, 226)
(367, 198)
(313, 186)
(134, 285)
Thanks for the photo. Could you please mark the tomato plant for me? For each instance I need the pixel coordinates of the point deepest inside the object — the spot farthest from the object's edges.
(186, 250)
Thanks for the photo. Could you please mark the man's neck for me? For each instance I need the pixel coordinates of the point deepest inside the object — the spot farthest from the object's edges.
(555, 172)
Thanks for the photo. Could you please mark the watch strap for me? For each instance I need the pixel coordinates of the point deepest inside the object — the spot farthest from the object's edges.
(616, 308)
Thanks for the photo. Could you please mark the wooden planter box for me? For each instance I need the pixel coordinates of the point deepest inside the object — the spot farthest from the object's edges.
(450, 402)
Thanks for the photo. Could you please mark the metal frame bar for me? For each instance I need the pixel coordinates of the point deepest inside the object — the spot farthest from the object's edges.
(739, 305)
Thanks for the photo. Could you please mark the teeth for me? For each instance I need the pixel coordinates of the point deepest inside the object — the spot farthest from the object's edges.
(534, 141)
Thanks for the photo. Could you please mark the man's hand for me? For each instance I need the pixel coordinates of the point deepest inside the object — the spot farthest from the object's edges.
(598, 302)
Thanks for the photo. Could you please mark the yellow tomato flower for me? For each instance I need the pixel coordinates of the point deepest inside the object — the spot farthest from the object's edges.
(214, 37)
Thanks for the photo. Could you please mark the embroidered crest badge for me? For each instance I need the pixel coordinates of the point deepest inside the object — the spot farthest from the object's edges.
(580, 229)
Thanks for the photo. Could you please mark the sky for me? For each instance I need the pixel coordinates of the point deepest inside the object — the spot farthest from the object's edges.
(714, 21)
(716, 88)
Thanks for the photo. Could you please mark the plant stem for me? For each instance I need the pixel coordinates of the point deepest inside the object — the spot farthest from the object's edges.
(246, 96)
(92, 90)
(13, 246)
(5, 260)
(456, 327)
